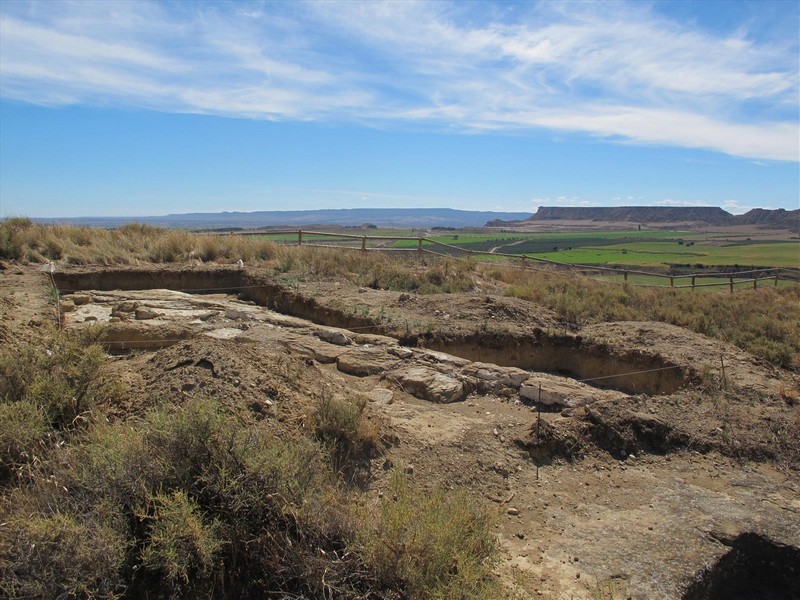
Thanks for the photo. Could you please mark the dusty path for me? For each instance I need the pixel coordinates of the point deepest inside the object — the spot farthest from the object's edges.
(496, 248)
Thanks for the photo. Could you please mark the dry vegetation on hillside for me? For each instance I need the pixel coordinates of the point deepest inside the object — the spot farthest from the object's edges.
(201, 500)
(766, 322)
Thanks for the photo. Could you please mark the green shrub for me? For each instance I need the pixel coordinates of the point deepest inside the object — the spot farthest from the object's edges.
(61, 373)
(62, 556)
(434, 545)
(338, 420)
(181, 544)
(23, 429)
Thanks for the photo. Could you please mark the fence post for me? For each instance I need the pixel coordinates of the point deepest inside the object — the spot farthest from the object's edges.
(671, 281)
(692, 282)
(776, 281)
(730, 283)
(299, 237)
(625, 275)
(755, 283)
(419, 247)
(364, 244)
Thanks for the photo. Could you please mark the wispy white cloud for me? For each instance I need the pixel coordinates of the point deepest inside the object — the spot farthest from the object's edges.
(673, 202)
(733, 206)
(612, 70)
(563, 201)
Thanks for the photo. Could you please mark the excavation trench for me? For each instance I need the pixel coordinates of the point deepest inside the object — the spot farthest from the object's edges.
(597, 364)
(754, 568)
(569, 355)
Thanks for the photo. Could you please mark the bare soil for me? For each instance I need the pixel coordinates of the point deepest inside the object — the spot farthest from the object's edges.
(681, 443)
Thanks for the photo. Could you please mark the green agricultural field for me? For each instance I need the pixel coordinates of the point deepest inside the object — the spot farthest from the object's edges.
(624, 248)
(662, 254)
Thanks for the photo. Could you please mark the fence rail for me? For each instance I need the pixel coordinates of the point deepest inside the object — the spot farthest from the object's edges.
(735, 278)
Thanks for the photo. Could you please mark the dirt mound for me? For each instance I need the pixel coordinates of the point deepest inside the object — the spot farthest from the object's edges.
(241, 376)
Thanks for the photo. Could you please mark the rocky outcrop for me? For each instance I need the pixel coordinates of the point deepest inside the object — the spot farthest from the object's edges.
(560, 391)
(707, 215)
(428, 384)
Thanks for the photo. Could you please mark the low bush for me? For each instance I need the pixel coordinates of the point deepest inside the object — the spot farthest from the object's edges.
(60, 372)
(23, 431)
(196, 501)
(434, 545)
(62, 555)
(181, 544)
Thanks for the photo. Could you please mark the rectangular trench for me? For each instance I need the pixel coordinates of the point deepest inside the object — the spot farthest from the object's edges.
(633, 373)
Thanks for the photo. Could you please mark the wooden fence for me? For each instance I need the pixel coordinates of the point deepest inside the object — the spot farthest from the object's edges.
(766, 276)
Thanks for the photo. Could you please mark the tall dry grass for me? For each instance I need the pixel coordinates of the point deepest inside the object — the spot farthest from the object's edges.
(26, 241)
(765, 322)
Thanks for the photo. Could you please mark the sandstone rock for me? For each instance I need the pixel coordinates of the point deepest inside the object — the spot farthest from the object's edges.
(427, 384)
(332, 337)
(143, 314)
(564, 392)
(401, 352)
(441, 358)
(127, 307)
(496, 379)
(365, 361)
(67, 306)
(238, 315)
(373, 339)
(81, 299)
(321, 352)
(381, 396)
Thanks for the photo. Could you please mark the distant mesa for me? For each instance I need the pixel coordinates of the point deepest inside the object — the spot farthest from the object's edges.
(448, 218)
(363, 218)
(699, 215)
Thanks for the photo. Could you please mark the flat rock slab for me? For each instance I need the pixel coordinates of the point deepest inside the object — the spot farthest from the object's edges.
(333, 336)
(565, 392)
(381, 396)
(295, 341)
(372, 339)
(362, 362)
(493, 378)
(427, 384)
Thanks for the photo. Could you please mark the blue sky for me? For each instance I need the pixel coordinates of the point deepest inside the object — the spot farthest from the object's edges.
(146, 108)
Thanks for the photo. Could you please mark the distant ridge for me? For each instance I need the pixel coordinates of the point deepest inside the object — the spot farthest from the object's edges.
(773, 218)
(635, 214)
(702, 215)
(384, 217)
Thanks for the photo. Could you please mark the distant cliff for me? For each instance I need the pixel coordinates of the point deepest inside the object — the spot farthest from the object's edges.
(703, 215)
(635, 214)
(789, 219)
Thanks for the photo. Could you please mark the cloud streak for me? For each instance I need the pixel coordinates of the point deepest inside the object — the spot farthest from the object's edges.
(613, 70)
